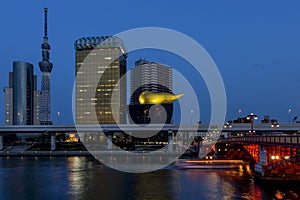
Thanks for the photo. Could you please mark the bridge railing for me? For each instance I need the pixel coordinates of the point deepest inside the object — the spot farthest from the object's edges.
(282, 139)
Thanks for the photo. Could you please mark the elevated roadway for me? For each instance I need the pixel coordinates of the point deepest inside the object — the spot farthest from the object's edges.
(238, 127)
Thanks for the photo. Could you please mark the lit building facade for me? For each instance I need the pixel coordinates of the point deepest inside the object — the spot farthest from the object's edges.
(21, 96)
(149, 76)
(106, 57)
(8, 101)
(152, 77)
(36, 102)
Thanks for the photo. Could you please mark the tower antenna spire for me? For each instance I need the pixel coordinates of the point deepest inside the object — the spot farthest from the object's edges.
(45, 22)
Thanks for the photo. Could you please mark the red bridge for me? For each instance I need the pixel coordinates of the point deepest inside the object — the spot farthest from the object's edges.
(275, 157)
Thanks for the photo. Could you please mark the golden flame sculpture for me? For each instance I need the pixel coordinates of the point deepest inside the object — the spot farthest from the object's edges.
(157, 98)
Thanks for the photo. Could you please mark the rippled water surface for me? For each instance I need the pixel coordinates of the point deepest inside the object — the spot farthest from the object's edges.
(85, 178)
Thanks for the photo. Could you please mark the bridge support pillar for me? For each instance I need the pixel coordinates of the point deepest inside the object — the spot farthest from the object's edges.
(185, 138)
(53, 142)
(1, 142)
(109, 141)
(170, 141)
(178, 141)
(262, 161)
(82, 137)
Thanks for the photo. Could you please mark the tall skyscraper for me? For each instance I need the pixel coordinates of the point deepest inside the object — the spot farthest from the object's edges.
(152, 77)
(46, 68)
(107, 57)
(21, 104)
(149, 76)
(36, 102)
(8, 101)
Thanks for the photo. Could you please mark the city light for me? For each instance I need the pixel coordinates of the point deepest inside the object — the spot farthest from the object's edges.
(275, 125)
(58, 118)
(252, 117)
(275, 157)
(286, 157)
(68, 141)
(227, 125)
(289, 115)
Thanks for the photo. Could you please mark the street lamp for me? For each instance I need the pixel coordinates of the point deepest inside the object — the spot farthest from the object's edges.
(58, 118)
(289, 114)
(252, 117)
(240, 110)
(145, 116)
(192, 116)
(275, 125)
(19, 120)
(227, 126)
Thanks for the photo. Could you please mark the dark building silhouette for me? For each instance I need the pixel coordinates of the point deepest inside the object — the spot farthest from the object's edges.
(21, 96)
(242, 120)
(266, 119)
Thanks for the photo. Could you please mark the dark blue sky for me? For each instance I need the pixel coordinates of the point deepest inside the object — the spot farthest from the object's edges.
(255, 45)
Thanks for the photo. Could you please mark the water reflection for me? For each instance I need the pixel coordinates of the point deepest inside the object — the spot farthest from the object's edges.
(32, 178)
(77, 180)
(91, 180)
(86, 178)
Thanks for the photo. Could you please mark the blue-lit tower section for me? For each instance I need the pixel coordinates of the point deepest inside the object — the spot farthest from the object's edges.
(46, 68)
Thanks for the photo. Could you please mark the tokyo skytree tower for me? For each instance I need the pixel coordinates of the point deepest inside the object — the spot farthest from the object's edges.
(46, 68)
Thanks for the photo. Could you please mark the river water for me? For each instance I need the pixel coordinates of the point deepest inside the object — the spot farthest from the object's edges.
(85, 178)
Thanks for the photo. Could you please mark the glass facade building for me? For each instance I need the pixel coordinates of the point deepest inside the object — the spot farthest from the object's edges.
(23, 93)
(105, 57)
(21, 96)
(8, 106)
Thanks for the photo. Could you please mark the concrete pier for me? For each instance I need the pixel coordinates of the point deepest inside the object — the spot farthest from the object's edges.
(109, 141)
(259, 171)
(170, 141)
